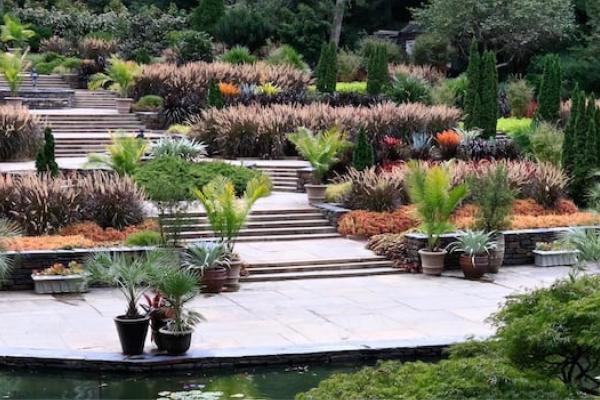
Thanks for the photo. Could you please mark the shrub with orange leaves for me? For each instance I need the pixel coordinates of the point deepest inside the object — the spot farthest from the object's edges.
(53, 242)
(367, 223)
(447, 142)
(228, 89)
(97, 234)
(555, 220)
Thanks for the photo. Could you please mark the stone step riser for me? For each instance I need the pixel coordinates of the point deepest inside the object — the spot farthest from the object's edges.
(297, 263)
(254, 218)
(318, 275)
(263, 232)
(322, 268)
(272, 213)
(206, 228)
(274, 238)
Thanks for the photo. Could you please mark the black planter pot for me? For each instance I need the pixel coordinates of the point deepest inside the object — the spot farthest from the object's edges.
(132, 334)
(156, 325)
(175, 344)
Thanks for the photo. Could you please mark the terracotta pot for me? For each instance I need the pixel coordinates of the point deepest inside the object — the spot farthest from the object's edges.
(474, 267)
(213, 280)
(14, 101)
(316, 193)
(176, 344)
(497, 254)
(232, 283)
(432, 262)
(124, 105)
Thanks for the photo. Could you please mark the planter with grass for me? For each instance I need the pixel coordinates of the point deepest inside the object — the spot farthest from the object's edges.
(60, 279)
(554, 254)
(430, 190)
(132, 276)
(227, 214)
(321, 150)
(475, 247)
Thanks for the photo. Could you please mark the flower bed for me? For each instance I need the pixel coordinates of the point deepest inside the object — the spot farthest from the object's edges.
(256, 131)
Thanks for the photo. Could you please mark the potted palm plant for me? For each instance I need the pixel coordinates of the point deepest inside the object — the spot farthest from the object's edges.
(494, 198)
(211, 260)
(124, 154)
(475, 247)
(227, 215)
(12, 66)
(131, 275)
(13, 31)
(321, 150)
(119, 78)
(430, 190)
(178, 286)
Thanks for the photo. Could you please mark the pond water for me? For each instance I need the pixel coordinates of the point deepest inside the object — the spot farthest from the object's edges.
(259, 383)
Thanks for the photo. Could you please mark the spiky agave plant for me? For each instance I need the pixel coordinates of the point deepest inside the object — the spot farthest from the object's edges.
(431, 192)
(321, 150)
(227, 213)
(119, 76)
(188, 149)
(125, 153)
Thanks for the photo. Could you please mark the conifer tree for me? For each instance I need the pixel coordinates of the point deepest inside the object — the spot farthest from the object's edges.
(580, 171)
(473, 84)
(326, 71)
(377, 70)
(550, 88)
(214, 97)
(568, 149)
(363, 155)
(488, 118)
(45, 161)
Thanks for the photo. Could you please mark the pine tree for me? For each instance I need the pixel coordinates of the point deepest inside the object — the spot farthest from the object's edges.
(363, 156)
(488, 118)
(473, 84)
(45, 161)
(580, 169)
(214, 97)
(568, 149)
(326, 71)
(591, 158)
(377, 70)
(206, 15)
(550, 88)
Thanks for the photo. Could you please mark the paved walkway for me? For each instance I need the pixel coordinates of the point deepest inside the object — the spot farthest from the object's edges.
(393, 311)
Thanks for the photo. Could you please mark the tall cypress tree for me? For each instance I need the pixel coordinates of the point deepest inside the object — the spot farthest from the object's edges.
(473, 85)
(489, 95)
(591, 158)
(377, 70)
(550, 89)
(581, 169)
(326, 71)
(363, 155)
(45, 161)
(568, 149)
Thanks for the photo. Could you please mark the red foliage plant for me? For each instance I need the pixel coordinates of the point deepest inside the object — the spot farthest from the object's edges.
(367, 223)
(448, 141)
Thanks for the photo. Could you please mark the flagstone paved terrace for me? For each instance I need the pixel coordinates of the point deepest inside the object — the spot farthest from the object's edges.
(277, 318)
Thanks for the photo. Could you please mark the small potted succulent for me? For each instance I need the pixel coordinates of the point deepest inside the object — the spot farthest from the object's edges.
(60, 279)
(227, 215)
(475, 247)
(554, 254)
(321, 150)
(430, 190)
(119, 77)
(211, 262)
(178, 286)
(132, 276)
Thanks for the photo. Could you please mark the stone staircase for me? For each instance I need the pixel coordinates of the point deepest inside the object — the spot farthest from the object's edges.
(43, 82)
(284, 178)
(77, 135)
(262, 226)
(95, 99)
(313, 269)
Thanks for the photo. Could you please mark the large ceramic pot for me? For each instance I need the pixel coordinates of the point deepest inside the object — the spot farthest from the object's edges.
(213, 279)
(315, 193)
(474, 267)
(176, 344)
(232, 283)
(497, 254)
(132, 334)
(124, 105)
(432, 262)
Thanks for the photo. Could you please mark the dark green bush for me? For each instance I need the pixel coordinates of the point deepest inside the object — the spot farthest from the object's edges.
(431, 50)
(377, 70)
(183, 176)
(406, 88)
(148, 103)
(363, 155)
(243, 26)
(191, 45)
(206, 15)
(326, 71)
(238, 55)
(143, 238)
(45, 161)
(368, 44)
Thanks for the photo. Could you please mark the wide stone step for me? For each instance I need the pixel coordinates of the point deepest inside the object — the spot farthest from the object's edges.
(276, 238)
(254, 217)
(320, 274)
(251, 224)
(263, 232)
(334, 266)
(259, 213)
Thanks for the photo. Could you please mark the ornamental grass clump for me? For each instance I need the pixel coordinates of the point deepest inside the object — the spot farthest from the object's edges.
(372, 190)
(20, 133)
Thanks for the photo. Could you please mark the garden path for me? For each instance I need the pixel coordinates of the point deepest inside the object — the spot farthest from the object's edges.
(291, 317)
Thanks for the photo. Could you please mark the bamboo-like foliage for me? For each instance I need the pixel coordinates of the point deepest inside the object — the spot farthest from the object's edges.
(119, 76)
(15, 32)
(434, 198)
(321, 150)
(227, 213)
(125, 153)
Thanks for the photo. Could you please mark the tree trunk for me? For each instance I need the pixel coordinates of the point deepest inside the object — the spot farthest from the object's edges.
(338, 18)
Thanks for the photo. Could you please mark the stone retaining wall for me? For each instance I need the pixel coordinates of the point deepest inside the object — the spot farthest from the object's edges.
(332, 211)
(44, 98)
(519, 245)
(24, 263)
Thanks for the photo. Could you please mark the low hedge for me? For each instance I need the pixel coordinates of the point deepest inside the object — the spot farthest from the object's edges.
(171, 178)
